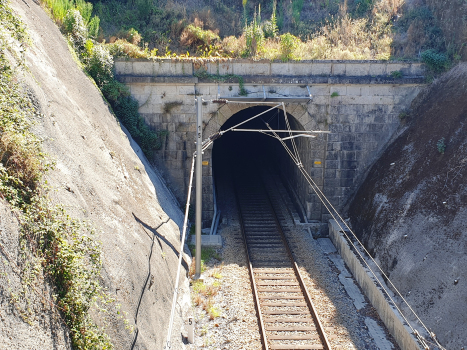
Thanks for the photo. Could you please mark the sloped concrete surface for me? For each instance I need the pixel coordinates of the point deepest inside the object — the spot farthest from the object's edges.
(101, 176)
(411, 211)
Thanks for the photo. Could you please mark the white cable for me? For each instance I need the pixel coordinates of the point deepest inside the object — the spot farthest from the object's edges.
(182, 244)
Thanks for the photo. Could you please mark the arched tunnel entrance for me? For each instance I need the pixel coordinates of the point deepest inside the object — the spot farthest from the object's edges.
(240, 154)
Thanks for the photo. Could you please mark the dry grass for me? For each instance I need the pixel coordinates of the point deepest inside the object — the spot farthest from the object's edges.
(344, 37)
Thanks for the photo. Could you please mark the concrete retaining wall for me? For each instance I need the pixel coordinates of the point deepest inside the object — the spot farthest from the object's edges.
(387, 312)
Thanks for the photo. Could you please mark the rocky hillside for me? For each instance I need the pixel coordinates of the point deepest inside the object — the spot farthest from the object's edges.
(411, 212)
(102, 177)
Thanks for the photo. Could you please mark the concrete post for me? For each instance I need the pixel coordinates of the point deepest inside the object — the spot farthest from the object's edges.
(199, 183)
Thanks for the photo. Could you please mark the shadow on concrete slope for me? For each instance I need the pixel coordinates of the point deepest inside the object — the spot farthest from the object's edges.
(411, 211)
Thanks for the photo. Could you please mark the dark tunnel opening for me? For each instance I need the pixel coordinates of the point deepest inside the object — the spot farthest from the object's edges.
(237, 153)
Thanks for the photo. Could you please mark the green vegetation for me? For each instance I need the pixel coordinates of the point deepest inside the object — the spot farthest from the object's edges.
(52, 244)
(441, 145)
(437, 62)
(195, 37)
(224, 78)
(98, 63)
(335, 94)
(329, 29)
(203, 294)
(397, 74)
(288, 43)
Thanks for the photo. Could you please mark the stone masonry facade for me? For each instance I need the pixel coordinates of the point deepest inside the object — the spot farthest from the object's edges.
(361, 103)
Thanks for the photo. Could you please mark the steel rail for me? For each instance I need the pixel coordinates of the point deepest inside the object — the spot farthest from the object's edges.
(306, 294)
(252, 277)
(317, 325)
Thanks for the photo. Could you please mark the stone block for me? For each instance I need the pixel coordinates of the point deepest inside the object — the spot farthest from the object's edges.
(348, 146)
(256, 68)
(354, 90)
(334, 137)
(348, 164)
(348, 182)
(279, 68)
(393, 67)
(330, 174)
(332, 155)
(338, 69)
(332, 164)
(357, 69)
(186, 90)
(383, 90)
(358, 146)
(417, 69)
(377, 69)
(340, 90)
(124, 68)
(361, 128)
(346, 173)
(358, 137)
(318, 181)
(375, 127)
(224, 68)
(347, 137)
(143, 68)
(321, 68)
(349, 155)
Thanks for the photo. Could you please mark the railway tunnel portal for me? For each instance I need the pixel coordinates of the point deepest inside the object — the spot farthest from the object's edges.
(360, 103)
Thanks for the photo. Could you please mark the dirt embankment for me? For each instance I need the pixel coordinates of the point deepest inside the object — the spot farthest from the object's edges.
(102, 177)
(411, 211)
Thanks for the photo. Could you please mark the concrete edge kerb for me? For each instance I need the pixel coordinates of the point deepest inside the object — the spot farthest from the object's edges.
(387, 312)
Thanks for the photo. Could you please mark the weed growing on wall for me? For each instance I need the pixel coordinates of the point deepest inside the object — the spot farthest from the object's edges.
(224, 78)
(437, 62)
(51, 243)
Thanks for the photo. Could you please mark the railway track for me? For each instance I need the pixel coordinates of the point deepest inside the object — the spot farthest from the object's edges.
(286, 314)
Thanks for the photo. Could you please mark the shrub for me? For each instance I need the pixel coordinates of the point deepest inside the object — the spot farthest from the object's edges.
(363, 6)
(100, 65)
(123, 48)
(126, 109)
(73, 25)
(59, 8)
(254, 38)
(195, 36)
(297, 6)
(270, 27)
(113, 90)
(436, 61)
(93, 27)
(288, 43)
(85, 8)
(134, 37)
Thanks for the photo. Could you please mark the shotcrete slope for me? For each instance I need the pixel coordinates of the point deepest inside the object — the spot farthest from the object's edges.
(102, 177)
(411, 211)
